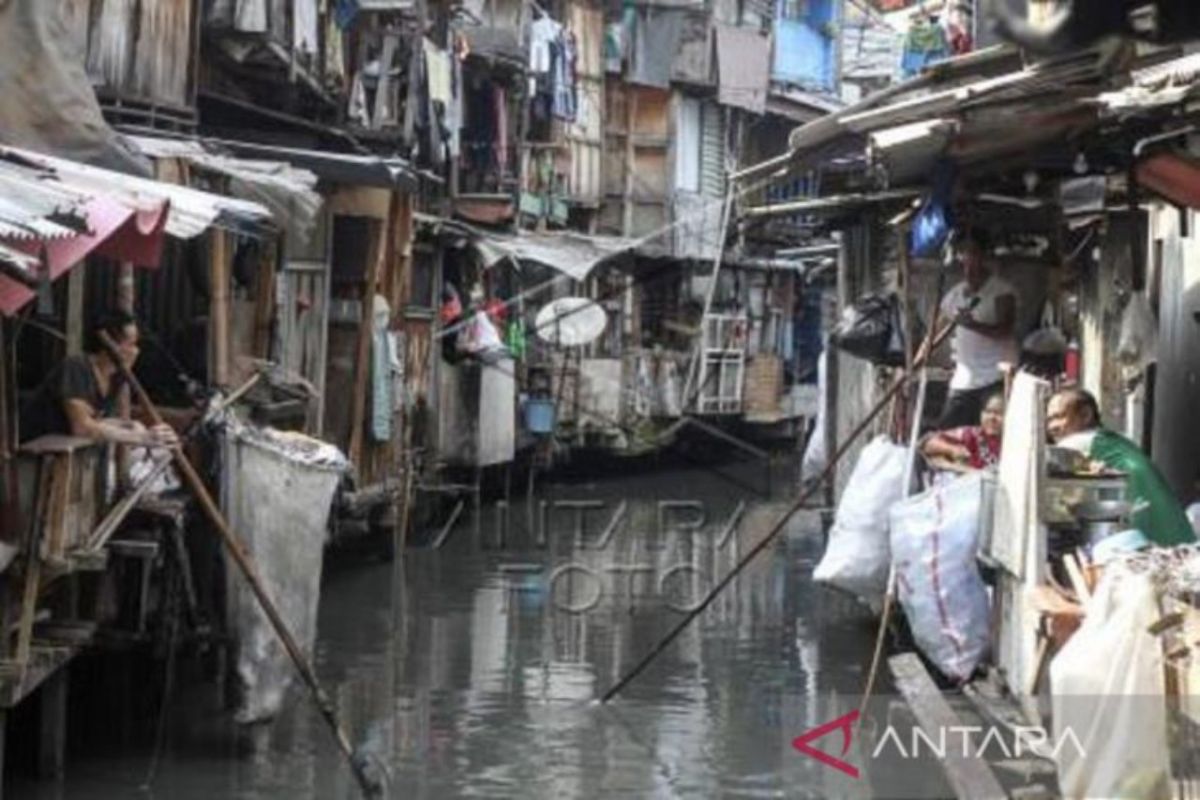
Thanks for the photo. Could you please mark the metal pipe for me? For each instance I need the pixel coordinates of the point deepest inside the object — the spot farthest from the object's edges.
(1142, 144)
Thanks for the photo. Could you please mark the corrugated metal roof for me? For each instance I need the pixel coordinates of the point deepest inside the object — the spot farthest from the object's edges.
(289, 192)
(26, 265)
(573, 254)
(190, 211)
(31, 207)
(1161, 85)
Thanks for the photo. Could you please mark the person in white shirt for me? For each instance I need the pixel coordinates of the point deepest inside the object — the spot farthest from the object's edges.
(985, 306)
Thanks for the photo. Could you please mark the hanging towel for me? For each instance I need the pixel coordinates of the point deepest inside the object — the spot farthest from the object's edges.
(564, 102)
(656, 38)
(743, 68)
(500, 100)
(437, 68)
(381, 373)
(542, 33)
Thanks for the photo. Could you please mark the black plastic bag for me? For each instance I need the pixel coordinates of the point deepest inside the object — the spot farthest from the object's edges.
(871, 329)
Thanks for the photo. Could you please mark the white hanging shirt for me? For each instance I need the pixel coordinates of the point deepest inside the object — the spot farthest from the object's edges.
(542, 32)
(977, 357)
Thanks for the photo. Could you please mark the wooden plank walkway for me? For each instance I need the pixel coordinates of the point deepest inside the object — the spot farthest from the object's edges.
(970, 776)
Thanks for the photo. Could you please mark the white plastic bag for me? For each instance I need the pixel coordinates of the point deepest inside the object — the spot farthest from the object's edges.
(1107, 693)
(857, 557)
(816, 452)
(934, 539)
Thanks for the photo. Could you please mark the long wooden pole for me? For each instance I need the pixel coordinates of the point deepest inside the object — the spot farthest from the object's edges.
(928, 347)
(245, 563)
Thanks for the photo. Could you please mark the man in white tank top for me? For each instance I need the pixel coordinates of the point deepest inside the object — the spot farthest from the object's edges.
(985, 306)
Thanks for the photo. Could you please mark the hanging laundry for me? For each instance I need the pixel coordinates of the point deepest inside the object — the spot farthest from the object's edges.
(564, 102)
(380, 428)
(454, 109)
(743, 68)
(614, 46)
(958, 28)
(437, 68)
(542, 33)
(924, 44)
(656, 38)
(514, 338)
(344, 12)
(500, 106)
(357, 110)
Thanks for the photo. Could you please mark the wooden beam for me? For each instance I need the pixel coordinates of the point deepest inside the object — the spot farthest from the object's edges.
(218, 320)
(264, 299)
(75, 286)
(970, 777)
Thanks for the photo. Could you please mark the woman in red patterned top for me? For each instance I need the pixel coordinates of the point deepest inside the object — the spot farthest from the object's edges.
(971, 446)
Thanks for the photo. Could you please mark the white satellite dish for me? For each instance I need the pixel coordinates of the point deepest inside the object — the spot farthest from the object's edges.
(570, 321)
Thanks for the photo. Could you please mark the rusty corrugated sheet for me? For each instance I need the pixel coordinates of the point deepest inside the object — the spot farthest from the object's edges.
(1175, 177)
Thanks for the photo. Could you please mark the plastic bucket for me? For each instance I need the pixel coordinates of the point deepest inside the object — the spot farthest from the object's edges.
(539, 415)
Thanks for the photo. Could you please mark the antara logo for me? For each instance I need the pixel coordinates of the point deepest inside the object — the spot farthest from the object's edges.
(973, 742)
(845, 723)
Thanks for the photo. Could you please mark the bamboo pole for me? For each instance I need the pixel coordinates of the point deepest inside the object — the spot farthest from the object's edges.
(245, 563)
(928, 347)
(218, 324)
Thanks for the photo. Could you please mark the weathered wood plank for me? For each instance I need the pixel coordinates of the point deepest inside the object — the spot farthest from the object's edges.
(970, 777)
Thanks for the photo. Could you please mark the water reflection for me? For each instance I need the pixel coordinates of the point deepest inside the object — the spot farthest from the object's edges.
(472, 670)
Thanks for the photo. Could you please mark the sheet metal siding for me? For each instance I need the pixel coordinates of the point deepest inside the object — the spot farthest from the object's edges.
(712, 150)
(687, 144)
(804, 53)
(1176, 437)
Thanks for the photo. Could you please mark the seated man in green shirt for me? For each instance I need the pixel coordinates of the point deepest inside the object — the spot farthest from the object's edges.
(1073, 421)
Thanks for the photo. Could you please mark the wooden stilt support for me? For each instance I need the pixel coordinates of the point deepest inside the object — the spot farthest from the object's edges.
(52, 726)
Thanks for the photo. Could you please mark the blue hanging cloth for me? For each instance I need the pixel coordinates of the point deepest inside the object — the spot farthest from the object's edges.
(935, 219)
(344, 12)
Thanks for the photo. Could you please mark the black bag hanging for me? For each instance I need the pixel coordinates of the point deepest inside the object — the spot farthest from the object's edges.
(871, 329)
(865, 328)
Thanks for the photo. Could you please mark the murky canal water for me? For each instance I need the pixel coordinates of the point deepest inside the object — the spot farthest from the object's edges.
(472, 669)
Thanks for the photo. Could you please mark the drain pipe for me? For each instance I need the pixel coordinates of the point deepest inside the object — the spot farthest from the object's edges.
(1158, 138)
